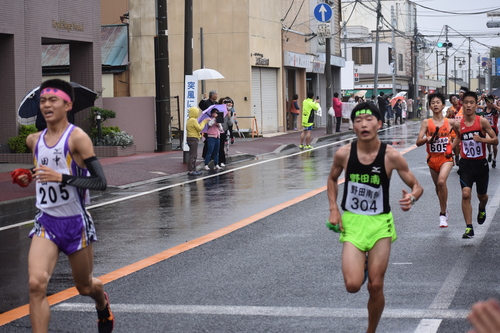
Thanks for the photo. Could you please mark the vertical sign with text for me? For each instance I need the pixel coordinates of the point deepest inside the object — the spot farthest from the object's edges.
(190, 93)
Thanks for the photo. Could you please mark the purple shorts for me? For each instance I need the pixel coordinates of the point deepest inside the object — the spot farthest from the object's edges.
(69, 233)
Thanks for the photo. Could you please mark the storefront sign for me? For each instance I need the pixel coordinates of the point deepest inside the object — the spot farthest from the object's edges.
(261, 61)
(190, 99)
(298, 60)
(63, 25)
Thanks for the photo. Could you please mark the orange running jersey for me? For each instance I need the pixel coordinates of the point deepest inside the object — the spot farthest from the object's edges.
(441, 134)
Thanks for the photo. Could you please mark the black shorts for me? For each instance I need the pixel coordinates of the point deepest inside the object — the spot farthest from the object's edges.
(474, 171)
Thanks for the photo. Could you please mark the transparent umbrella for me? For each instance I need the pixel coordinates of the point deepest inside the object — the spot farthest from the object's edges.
(207, 74)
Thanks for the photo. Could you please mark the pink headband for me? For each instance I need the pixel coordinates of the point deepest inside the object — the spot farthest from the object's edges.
(57, 92)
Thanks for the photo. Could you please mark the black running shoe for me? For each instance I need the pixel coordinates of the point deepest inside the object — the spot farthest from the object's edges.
(469, 233)
(489, 157)
(494, 164)
(105, 318)
(481, 216)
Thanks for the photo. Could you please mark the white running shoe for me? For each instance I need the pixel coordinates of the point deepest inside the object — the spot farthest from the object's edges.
(217, 167)
(443, 221)
(222, 165)
(206, 167)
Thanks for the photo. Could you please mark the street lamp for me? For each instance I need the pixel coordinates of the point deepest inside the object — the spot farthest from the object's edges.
(461, 61)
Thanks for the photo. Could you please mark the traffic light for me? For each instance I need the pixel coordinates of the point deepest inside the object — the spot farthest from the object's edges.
(445, 44)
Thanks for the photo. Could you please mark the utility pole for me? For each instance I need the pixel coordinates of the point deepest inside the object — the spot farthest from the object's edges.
(328, 77)
(162, 75)
(377, 39)
(202, 58)
(393, 51)
(415, 75)
(468, 70)
(446, 65)
(345, 40)
(188, 49)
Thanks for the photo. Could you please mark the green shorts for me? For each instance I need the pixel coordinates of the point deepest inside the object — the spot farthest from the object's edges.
(363, 231)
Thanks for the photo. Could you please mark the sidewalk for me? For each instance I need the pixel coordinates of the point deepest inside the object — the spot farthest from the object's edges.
(139, 168)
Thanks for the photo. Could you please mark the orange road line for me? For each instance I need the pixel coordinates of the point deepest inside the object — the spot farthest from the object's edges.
(64, 295)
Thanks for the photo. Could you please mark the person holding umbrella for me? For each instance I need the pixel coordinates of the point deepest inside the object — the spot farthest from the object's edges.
(213, 140)
(65, 169)
(193, 128)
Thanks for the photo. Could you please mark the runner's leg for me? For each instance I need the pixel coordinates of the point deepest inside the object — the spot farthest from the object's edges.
(82, 264)
(378, 260)
(353, 267)
(42, 260)
(466, 205)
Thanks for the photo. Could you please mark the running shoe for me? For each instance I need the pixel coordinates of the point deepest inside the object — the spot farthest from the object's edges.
(301, 146)
(469, 233)
(217, 167)
(443, 221)
(457, 160)
(309, 147)
(196, 173)
(105, 318)
(206, 167)
(222, 165)
(494, 164)
(489, 157)
(481, 216)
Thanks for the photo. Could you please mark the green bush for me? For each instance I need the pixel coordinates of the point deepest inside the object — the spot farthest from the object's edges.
(18, 143)
(105, 130)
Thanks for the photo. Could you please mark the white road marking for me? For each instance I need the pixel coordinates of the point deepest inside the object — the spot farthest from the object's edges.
(428, 325)
(272, 311)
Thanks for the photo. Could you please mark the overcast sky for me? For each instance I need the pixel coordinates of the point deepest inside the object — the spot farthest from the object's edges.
(432, 22)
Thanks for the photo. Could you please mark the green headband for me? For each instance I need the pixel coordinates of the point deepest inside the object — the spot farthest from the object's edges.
(360, 112)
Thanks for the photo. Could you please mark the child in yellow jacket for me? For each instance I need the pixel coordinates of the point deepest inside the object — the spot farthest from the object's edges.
(193, 129)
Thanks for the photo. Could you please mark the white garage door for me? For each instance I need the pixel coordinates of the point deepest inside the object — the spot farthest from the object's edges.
(265, 98)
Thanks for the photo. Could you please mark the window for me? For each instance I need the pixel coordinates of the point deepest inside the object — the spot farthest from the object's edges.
(362, 55)
(400, 62)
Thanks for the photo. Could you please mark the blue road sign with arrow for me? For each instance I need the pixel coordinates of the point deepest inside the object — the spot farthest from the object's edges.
(323, 12)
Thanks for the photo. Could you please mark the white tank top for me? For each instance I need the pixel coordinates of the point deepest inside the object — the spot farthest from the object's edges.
(53, 198)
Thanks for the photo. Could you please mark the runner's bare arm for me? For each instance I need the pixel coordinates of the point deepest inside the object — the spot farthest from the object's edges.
(339, 163)
(394, 160)
(421, 139)
(491, 138)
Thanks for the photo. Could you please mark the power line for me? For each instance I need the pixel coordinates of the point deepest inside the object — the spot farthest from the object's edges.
(457, 13)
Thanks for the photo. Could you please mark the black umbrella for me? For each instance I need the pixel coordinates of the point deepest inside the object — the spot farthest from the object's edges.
(29, 108)
(496, 92)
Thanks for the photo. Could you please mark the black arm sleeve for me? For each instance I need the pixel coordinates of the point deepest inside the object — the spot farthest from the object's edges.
(96, 181)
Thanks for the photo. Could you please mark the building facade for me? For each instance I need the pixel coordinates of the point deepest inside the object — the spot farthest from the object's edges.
(266, 51)
(27, 25)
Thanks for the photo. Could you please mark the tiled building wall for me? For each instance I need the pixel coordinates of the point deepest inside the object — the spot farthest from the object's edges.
(24, 26)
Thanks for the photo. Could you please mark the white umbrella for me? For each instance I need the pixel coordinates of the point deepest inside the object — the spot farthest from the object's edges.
(207, 74)
(402, 93)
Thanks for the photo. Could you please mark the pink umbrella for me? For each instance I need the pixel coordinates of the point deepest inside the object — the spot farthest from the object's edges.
(395, 99)
(206, 113)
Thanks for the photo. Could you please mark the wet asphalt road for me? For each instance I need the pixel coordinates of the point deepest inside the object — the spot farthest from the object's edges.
(280, 273)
